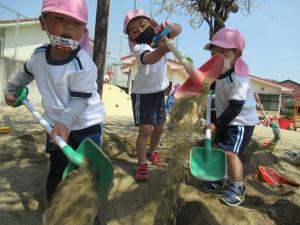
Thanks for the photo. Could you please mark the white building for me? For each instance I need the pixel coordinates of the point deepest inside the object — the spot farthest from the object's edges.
(18, 40)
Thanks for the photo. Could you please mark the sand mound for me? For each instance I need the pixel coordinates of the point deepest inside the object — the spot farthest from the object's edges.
(116, 101)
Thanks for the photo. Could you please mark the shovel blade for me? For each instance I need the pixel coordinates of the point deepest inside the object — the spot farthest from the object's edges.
(193, 85)
(208, 169)
(189, 88)
(98, 163)
(276, 130)
(213, 67)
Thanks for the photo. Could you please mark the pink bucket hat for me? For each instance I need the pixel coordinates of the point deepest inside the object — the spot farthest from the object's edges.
(76, 9)
(84, 42)
(134, 14)
(229, 37)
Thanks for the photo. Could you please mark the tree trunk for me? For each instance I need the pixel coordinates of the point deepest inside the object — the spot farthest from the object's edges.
(100, 40)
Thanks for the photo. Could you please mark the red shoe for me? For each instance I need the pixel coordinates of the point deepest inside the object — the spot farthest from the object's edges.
(155, 159)
(141, 173)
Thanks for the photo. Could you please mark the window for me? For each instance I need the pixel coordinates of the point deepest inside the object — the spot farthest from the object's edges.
(270, 102)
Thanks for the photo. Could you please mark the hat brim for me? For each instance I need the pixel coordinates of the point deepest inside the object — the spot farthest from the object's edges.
(220, 44)
(125, 30)
(70, 14)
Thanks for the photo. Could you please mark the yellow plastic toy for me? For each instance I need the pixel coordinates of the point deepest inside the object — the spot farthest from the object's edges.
(5, 130)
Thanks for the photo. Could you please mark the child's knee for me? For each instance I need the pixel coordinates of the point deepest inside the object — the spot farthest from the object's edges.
(145, 133)
(231, 155)
(159, 128)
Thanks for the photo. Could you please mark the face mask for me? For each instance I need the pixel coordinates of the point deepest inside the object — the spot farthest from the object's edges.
(61, 43)
(227, 64)
(146, 36)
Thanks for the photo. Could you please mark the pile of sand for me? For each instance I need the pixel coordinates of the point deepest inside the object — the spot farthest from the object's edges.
(117, 102)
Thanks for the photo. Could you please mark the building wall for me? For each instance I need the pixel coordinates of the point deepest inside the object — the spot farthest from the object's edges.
(118, 78)
(27, 41)
(265, 89)
(8, 67)
(176, 76)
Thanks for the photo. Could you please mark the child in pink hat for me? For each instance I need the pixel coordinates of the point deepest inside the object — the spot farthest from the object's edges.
(66, 78)
(231, 38)
(235, 110)
(150, 82)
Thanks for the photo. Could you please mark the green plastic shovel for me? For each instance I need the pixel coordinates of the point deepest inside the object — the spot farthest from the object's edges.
(275, 127)
(87, 152)
(207, 163)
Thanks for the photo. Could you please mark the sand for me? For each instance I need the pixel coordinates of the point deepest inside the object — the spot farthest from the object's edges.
(172, 196)
(75, 193)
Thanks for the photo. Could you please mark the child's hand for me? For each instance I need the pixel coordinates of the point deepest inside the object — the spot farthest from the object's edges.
(10, 99)
(163, 25)
(162, 47)
(213, 129)
(175, 28)
(61, 130)
(259, 106)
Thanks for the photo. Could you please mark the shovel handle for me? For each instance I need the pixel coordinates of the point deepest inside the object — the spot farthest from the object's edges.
(67, 149)
(266, 117)
(208, 110)
(182, 59)
(208, 131)
(60, 142)
(207, 144)
(21, 98)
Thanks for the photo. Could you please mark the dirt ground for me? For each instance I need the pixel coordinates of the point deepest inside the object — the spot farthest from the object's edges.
(172, 196)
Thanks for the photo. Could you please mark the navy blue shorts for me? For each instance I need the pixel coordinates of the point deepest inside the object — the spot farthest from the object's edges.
(149, 108)
(77, 136)
(234, 138)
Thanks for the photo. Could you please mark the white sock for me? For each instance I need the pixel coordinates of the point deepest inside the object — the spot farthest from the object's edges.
(238, 184)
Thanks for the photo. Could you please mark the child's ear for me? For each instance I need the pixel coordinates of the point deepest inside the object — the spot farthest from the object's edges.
(41, 19)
